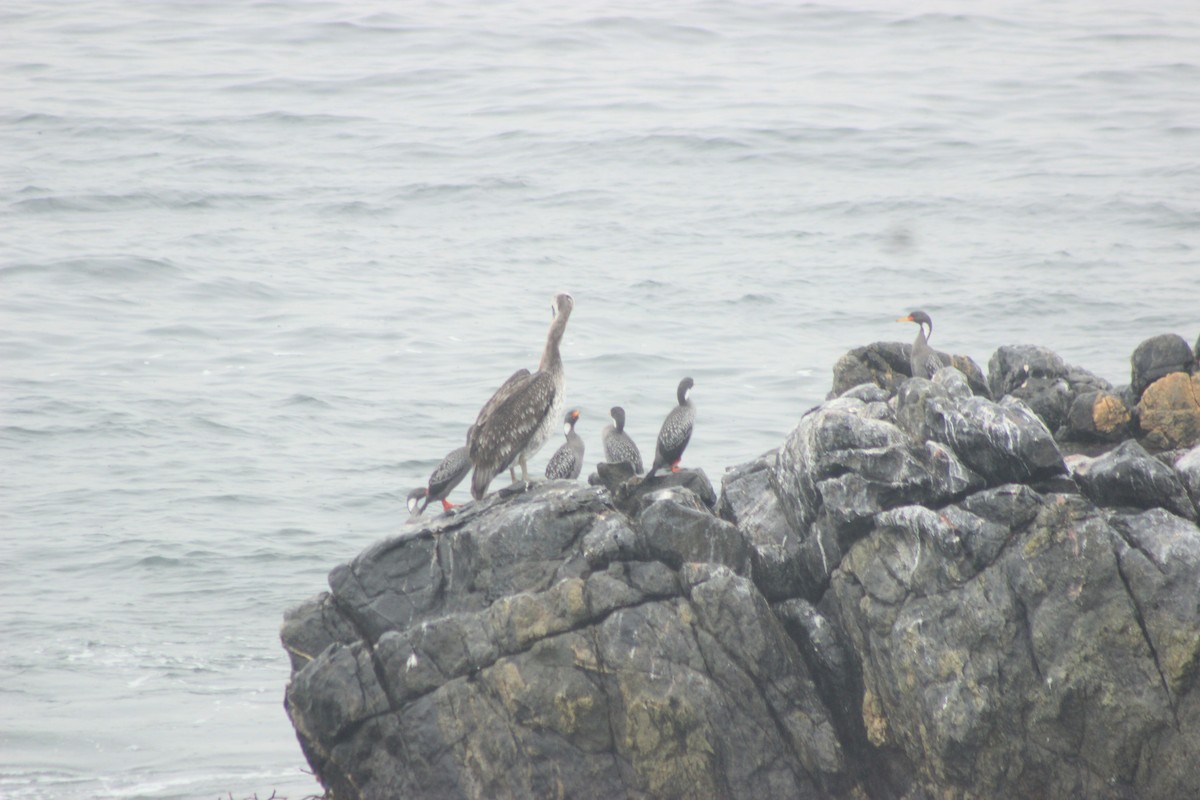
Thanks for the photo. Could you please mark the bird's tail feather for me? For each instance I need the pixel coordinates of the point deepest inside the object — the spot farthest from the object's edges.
(480, 479)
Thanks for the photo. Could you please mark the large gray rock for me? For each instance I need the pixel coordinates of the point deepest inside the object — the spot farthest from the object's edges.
(543, 643)
(1019, 660)
(841, 466)
(1158, 356)
(887, 365)
(1129, 476)
(1169, 412)
(1098, 416)
(999, 442)
(900, 602)
(778, 552)
(1187, 467)
(1042, 380)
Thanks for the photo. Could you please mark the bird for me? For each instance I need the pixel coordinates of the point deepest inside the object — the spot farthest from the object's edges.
(618, 447)
(518, 419)
(676, 431)
(923, 361)
(445, 477)
(496, 399)
(567, 461)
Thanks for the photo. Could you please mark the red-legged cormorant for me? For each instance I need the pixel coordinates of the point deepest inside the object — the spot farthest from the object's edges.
(445, 477)
(567, 461)
(924, 361)
(676, 431)
(618, 447)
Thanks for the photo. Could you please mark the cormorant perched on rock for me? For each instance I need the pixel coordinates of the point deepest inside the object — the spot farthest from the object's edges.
(924, 361)
(567, 461)
(618, 447)
(519, 418)
(676, 431)
(445, 477)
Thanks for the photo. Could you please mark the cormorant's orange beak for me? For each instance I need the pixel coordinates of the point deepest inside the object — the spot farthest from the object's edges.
(905, 319)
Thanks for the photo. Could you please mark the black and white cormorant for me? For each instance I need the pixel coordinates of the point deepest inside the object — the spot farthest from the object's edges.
(567, 461)
(676, 431)
(445, 477)
(519, 418)
(618, 447)
(924, 361)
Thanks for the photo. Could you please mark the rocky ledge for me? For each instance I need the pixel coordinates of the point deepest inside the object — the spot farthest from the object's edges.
(924, 591)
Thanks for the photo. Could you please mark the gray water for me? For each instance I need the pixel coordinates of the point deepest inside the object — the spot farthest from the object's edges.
(261, 263)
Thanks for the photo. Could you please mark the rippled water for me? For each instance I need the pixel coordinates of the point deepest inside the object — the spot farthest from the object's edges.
(260, 263)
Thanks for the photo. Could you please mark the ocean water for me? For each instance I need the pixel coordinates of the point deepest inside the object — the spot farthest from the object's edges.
(261, 263)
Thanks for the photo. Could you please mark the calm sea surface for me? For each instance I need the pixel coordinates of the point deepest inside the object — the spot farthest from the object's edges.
(261, 263)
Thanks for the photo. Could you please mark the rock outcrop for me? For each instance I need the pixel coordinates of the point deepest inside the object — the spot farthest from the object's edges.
(1169, 411)
(915, 595)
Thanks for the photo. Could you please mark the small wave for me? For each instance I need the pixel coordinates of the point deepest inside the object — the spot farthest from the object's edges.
(305, 400)
(654, 29)
(179, 332)
(291, 532)
(231, 499)
(108, 268)
(157, 562)
(430, 191)
(956, 21)
(354, 208)
(233, 288)
(131, 201)
(219, 427)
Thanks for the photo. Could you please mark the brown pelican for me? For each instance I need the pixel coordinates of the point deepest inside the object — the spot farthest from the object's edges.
(519, 418)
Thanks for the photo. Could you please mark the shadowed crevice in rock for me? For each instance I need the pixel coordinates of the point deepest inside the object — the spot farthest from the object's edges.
(1141, 622)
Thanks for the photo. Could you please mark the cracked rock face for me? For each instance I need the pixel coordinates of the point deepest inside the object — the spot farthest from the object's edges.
(886, 365)
(1129, 476)
(1039, 378)
(909, 598)
(1169, 411)
(1159, 356)
(547, 645)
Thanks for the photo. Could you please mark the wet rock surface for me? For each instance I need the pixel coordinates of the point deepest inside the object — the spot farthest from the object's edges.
(886, 365)
(1169, 411)
(1157, 357)
(1129, 476)
(911, 597)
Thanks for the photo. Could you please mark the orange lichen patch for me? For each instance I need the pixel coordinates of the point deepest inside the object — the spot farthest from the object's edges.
(1109, 414)
(1170, 411)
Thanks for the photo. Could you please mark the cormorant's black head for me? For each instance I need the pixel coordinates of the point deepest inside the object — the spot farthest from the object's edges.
(570, 419)
(618, 417)
(919, 317)
(685, 388)
(414, 499)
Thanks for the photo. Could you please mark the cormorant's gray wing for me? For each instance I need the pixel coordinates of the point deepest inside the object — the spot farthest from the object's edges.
(620, 449)
(562, 463)
(674, 436)
(677, 429)
(449, 473)
(934, 363)
(928, 362)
